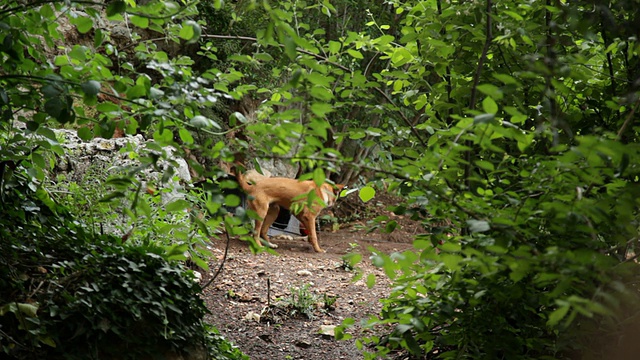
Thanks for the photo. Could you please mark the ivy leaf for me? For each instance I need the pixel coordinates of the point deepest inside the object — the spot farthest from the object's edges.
(28, 309)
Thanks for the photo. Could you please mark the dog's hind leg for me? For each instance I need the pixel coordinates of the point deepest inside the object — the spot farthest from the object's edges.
(262, 212)
(269, 219)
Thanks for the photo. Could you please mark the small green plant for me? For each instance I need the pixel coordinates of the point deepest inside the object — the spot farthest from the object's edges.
(351, 258)
(301, 301)
(331, 220)
(329, 301)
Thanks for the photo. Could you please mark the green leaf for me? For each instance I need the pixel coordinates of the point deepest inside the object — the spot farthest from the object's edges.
(506, 79)
(321, 109)
(558, 314)
(139, 21)
(232, 200)
(334, 47)
(38, 160)
(176, 251)
(85, 133)
(352, 259)
(290, 48)
(366, 193)
(371, 281)
(491, 91)
(478, 225)
(450, 246)
(82, 23)
(190, 31)
(355, 54)
(28, 309)
(177, 205)
(116, 7)
(185, 136)
(264, 57)
(486, 165)
(136, 92)
(107, 107)
(483, 118)
(91, 87)
(318, 176)
(199, 262)
(489, 105)
(514, 15)
(54, 107)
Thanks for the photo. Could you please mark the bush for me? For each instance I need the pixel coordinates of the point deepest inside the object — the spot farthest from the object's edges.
(550, 273)
(70, 294)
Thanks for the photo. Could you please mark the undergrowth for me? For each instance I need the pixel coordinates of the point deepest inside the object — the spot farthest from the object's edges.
(67, 293)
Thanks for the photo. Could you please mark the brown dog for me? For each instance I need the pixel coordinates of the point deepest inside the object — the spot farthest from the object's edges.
(267, 194)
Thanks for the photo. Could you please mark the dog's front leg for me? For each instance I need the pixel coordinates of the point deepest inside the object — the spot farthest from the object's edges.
(309, 221)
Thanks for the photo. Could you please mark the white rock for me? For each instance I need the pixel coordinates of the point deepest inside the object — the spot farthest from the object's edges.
(252, 316)
(327, 330)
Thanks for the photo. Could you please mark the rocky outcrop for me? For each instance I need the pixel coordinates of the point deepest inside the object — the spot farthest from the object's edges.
(113, 156)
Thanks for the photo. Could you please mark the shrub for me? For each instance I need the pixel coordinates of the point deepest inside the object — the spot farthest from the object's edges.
(70, 294)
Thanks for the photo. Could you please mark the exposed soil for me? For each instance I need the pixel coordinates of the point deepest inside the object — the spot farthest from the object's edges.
(240, 297)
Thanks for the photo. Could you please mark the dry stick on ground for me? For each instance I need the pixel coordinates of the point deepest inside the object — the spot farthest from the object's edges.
(224, 259)
(268, 293)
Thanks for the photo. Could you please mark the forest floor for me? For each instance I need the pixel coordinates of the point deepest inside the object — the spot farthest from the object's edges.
(253, 301)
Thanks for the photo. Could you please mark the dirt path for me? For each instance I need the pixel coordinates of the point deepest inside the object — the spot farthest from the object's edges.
(240, 294)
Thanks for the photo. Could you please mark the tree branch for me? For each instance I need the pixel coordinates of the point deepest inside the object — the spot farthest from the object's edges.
(406, 120)
(474, 89)
(627, 121)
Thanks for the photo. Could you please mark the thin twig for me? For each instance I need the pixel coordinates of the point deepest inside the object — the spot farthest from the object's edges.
(320, 57)
(224, 259)
(474, 90)
(627, 121)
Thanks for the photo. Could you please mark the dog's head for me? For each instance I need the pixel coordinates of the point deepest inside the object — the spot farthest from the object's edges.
(330, 193)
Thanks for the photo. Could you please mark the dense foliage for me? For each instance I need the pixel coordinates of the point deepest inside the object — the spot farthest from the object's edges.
(69, 293)
(509, 127)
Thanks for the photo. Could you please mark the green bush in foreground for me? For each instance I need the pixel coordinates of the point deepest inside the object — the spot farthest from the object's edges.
(69, 294)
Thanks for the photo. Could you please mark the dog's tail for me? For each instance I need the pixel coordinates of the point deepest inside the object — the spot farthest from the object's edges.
(238, 169)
